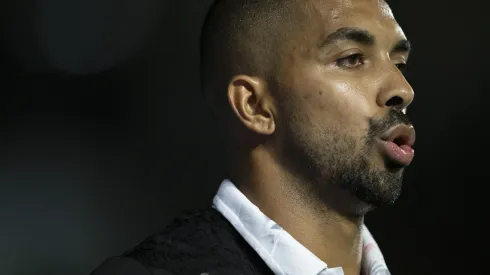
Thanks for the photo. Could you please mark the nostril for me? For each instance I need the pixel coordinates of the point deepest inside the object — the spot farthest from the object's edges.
(394, 101)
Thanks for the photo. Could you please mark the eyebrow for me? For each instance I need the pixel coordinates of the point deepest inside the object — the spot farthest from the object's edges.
(354, 34)
(403, 46)
(362, 37)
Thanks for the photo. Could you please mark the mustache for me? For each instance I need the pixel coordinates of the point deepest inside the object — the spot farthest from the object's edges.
(377, 126)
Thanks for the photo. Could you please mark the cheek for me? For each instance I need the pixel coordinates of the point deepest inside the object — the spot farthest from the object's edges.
(341, 104)
(331, 100)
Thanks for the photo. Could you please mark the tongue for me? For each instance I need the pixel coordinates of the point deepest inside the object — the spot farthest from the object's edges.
(402, 154)
(407, 149)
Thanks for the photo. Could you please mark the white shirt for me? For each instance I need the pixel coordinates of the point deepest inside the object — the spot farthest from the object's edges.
(277, 248)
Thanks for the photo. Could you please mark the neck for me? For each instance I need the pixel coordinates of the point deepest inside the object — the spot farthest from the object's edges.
(332, 237)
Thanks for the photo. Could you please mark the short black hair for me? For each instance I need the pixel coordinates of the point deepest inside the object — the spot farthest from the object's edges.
(241, 37)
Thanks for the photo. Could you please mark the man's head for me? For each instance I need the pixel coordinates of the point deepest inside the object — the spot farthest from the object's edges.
(319, 84)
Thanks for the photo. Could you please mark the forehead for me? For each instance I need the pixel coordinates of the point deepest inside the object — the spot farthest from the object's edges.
(375, 16)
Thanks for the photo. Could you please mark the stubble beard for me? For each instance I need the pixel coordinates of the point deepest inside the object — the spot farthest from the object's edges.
(339, 168)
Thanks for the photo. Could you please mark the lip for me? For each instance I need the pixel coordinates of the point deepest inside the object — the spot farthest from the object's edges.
(400, 135)
(396, 145)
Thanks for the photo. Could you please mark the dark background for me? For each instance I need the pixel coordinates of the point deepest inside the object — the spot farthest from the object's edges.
(105, 136)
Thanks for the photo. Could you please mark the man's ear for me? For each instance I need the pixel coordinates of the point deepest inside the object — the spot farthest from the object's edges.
(252, 103)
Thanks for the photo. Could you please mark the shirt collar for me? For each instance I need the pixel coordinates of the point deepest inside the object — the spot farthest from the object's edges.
(279, 250)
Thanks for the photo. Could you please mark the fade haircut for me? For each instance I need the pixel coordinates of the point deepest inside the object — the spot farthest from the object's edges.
(242, 37)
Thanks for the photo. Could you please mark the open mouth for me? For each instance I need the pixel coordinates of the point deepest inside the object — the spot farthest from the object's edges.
(397, 144)
(401, 140)
(400, 135)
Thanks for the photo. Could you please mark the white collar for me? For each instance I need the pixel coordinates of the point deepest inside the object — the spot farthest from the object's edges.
(279, 250)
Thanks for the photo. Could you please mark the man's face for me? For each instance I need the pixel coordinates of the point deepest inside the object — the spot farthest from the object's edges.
(340, 93)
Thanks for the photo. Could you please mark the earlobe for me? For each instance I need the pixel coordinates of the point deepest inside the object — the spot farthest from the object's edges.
(251, 102)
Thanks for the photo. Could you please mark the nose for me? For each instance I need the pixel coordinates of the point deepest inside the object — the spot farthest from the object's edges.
(395, 92)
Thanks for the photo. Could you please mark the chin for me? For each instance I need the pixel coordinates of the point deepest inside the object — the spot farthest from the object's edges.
(382, 188)
(394, 168)
(387, 165)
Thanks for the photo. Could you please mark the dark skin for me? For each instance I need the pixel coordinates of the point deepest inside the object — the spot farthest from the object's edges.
(301, 134)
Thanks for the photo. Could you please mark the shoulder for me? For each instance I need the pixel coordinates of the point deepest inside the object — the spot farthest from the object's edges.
(192, 238)
(124, 266)
(160, 249)
(197, 242)
(194, 243)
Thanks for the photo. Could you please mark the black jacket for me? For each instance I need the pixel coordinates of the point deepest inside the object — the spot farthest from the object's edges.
(200, 243)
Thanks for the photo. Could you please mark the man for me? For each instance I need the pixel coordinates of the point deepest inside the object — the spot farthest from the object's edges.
(311, 99)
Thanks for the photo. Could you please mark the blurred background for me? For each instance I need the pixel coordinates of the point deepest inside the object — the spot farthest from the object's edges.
(105, 136)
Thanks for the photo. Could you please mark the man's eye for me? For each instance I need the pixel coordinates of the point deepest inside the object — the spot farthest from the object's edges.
(351, 61)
